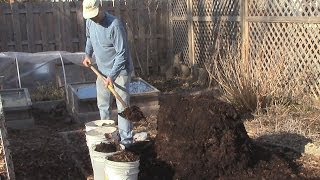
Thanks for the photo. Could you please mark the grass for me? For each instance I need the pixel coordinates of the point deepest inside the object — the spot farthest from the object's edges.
(287, 119)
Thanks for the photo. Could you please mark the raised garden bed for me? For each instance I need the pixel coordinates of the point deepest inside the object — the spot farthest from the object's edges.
(6, 165)
(82, 102)
(17, 108)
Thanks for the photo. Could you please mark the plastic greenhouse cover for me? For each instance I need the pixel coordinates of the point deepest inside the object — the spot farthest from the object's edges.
(27, 70)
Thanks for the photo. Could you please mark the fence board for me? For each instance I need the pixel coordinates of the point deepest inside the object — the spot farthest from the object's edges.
(66, 31)
(29, 27)
(117, 9)
(59, 29)
(81, 25)
(4, 28)
(16, 27)
(43, 27)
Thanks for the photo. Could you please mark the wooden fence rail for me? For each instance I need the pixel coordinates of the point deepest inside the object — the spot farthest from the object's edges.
(51, 26)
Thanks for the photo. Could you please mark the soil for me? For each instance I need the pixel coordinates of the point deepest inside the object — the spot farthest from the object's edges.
(76, 143)
(41, 152)
(106, 148)
(201, 137)
(124, 156)
(198, 137)
(134, 114)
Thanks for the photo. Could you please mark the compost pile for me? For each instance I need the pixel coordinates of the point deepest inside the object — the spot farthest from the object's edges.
(202, 137)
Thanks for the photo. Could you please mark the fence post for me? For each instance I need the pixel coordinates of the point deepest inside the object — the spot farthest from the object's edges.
(244, 29)
(190, 32)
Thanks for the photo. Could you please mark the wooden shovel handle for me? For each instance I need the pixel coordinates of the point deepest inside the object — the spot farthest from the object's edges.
(110, 87)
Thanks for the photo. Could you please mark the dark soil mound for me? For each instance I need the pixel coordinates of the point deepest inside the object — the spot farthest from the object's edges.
(201, 132)
(202, 137)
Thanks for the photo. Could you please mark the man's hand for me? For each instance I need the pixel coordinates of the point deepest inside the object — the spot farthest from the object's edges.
(107, 81)
(87, 61)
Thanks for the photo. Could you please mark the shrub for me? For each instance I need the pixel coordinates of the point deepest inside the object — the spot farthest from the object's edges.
(252, 84)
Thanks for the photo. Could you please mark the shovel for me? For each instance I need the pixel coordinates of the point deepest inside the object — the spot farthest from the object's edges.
(132, 113)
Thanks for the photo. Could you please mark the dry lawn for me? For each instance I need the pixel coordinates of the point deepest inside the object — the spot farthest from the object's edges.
(294, 127)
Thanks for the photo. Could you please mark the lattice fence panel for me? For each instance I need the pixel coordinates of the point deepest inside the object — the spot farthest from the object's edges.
(179, 8)
(296, 43)
(215, 8)
(180, 41)
(206, 35)
(309, 8)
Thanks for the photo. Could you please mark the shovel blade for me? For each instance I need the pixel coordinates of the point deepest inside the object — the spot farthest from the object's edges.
(122, 114)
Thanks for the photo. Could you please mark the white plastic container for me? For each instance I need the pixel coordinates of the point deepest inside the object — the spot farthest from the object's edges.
(98, 123)
(97, 136)
(121, 170)
(98, 160)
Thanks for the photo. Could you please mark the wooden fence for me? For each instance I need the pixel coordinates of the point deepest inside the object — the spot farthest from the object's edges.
(197, 24)
(288, 31)
(50, 26)
(270, 30)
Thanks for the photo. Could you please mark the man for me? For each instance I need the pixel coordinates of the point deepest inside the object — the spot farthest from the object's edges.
(107, 39)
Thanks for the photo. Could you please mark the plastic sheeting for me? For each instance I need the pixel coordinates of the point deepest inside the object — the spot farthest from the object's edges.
(29, 70)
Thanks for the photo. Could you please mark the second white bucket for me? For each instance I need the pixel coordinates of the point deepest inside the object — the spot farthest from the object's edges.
(98, 160)
(99, 123)
(97, 136)
(121, 170)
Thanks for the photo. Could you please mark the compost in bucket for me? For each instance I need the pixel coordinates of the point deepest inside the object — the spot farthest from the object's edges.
(123, 165)
(124, 156)
(107, 147)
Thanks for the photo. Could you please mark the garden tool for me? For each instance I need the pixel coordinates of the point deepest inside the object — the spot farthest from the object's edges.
(132, 113)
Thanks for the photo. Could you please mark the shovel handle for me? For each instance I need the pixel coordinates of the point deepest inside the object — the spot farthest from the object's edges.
(110, 87)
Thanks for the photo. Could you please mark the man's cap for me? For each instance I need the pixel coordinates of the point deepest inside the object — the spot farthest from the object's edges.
(90, 8)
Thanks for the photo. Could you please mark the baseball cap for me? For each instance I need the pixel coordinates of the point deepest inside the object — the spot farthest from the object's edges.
(90, 8)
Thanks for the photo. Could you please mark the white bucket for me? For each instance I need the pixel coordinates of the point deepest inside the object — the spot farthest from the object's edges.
(98, 123)
(97, 136)
(121, 170)
(98, 160)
